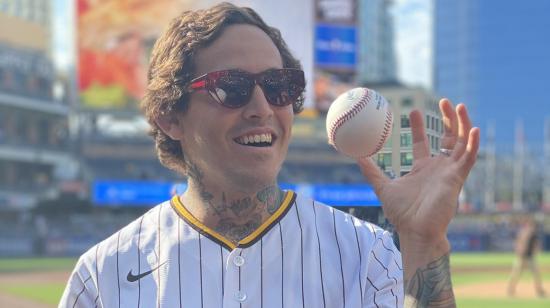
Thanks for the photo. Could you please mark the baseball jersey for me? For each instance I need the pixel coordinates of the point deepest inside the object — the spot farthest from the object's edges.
(306, 254)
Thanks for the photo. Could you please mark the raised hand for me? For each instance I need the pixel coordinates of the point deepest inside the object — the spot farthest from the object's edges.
(422, 203)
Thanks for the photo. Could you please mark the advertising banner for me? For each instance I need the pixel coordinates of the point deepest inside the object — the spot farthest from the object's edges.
(114, 41)
(336, 11)
(335, 46)
(130, 193)
(147, 193)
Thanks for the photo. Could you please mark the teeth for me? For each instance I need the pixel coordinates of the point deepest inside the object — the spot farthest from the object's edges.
(256, 139)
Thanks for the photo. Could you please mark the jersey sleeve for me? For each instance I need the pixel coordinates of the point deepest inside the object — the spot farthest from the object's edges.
(384, 282)
(81, 290)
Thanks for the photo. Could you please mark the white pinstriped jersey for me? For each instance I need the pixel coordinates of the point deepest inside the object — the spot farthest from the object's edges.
(305, 255)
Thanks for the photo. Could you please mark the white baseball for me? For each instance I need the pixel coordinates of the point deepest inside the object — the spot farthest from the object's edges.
(359, 122)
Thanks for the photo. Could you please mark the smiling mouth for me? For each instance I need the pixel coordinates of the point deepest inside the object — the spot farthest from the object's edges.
(256, 140)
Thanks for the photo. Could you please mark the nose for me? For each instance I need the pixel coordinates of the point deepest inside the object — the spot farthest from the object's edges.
(258, 107)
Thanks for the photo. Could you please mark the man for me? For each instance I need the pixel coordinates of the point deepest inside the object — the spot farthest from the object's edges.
(527, 245)
(223, 90)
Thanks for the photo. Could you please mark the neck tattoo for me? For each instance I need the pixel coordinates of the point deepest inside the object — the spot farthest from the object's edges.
(236, 219)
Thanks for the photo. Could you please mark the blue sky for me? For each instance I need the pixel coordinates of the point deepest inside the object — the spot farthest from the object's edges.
(412, 26)
(413, 40)
(63, 30)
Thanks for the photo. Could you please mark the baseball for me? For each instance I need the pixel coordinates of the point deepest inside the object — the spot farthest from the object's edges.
(359, 122)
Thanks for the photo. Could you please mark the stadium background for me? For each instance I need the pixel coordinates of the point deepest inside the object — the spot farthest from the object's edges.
(76, 163)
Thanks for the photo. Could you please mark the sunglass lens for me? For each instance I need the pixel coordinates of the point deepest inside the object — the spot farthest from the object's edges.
(283, 87)
(236, 90)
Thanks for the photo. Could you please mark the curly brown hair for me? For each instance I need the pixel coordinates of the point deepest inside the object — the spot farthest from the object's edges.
(172, 67)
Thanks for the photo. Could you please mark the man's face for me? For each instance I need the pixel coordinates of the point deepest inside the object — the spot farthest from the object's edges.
(213, 135)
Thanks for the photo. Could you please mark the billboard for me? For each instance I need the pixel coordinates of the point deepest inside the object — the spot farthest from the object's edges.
(130, 193)
(335, 46)
(150, 193)
(115, 38)
(336, 11)
(114, 41)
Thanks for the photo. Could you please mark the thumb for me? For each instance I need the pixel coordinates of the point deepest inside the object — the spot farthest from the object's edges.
(372, 172)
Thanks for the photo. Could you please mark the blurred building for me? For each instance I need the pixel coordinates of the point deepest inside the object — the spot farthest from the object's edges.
(33, 117)
(546, 168)
(493, 55)
(354, 44)
(116, 147)
(377, 60)
(396, 157)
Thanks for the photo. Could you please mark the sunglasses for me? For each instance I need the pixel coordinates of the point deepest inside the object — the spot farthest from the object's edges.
(233, 88)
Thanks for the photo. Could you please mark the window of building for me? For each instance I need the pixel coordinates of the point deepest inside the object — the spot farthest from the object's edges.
(405, 122)
(384, 159)
(406, 159)
(406, 139)
(44, 128)
(427, 121)
(389, 141)
(407, 102)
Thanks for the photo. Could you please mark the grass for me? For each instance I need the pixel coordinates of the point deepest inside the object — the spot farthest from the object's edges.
(490, 259)
(36, 264)
(501, 303)
(486, 267)
(41, 293)
(46, 293)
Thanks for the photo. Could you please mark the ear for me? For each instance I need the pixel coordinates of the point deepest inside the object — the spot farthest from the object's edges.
(170, 125)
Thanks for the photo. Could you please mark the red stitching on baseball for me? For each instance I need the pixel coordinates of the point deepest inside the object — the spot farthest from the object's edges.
(348, 115)
(387, 129)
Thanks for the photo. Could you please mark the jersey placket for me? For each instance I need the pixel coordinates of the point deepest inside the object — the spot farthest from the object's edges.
(235, 295)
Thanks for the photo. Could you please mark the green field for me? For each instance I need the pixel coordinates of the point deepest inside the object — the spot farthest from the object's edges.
(493, 267)
(467, 269)
(47, 293)
(36, 264)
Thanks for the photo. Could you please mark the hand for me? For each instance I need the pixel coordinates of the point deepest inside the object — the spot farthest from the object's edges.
(422, 203)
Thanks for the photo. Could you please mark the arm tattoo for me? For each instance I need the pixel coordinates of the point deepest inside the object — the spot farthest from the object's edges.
(270, 196)
(431, 286)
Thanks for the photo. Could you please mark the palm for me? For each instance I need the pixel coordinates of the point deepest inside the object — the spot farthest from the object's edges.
(424, 201)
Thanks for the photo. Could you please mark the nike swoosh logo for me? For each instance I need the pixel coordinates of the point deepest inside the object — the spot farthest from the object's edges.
(133, 278)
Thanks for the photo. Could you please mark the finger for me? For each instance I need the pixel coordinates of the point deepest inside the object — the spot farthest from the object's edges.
(464, 127)
(373, 173)
(421, 148)
(450, 124)
(469, 158)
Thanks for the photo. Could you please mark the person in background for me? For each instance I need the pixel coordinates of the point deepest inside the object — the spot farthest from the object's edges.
(527, 246)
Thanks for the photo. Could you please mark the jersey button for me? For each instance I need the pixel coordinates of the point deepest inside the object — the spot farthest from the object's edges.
(238, 261)
(240, 296)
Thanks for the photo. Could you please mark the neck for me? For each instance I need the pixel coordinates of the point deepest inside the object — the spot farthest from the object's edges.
(233, 213)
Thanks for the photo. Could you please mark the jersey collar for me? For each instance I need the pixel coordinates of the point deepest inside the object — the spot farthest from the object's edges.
(180, 209)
